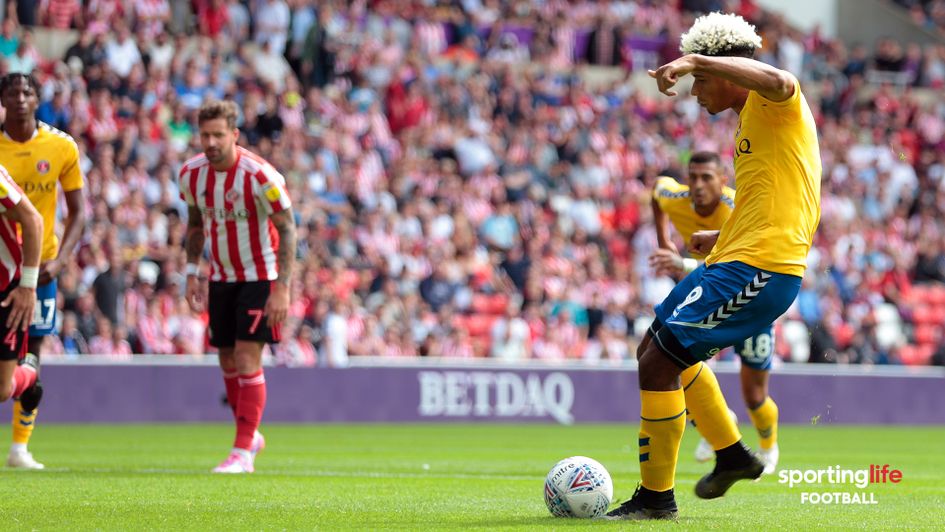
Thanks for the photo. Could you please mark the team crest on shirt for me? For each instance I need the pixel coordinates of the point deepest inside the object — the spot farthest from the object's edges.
(231, 195)
(272, 192)
(43, 166)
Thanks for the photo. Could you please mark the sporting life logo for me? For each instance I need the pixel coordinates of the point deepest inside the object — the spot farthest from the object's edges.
(836, 476)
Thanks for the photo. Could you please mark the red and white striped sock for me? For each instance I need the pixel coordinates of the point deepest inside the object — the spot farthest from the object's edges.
(249, 408)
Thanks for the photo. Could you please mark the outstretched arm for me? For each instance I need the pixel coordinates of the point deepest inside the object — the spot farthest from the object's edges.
(772, 83)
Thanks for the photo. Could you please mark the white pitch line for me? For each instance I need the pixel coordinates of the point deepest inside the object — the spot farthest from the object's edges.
(312, 473)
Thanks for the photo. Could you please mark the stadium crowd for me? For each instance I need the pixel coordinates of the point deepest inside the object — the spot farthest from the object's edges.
(463, 186)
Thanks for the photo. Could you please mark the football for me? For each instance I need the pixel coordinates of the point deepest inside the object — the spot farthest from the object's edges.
(578, 487)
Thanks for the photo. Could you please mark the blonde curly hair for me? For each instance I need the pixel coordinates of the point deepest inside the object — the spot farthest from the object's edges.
(720, 34)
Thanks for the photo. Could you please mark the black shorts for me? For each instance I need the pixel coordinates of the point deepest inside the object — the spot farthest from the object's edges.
(236, 313)
(14, 341)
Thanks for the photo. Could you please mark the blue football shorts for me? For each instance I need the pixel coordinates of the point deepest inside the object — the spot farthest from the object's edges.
(721, 305)
(44, 315)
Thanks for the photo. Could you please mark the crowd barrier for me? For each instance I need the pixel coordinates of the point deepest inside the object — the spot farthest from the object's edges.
(154, 389)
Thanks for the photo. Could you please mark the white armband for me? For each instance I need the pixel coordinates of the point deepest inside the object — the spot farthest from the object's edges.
(191, 269)
(29, 276)
(689, 264)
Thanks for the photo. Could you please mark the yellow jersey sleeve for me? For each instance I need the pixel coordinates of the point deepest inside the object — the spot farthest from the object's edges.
(777, 176)
(70, 178)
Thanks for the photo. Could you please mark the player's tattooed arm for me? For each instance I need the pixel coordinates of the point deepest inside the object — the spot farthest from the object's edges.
(193, 244)
(284, 221)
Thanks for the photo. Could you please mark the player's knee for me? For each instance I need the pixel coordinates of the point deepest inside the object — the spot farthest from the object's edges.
(657, 371)
(754, 396)
(226, 360)
(247, 357)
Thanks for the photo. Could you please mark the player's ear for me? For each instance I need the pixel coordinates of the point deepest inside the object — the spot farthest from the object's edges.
(236, 134)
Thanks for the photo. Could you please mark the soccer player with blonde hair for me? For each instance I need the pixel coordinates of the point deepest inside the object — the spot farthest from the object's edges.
(754, 265)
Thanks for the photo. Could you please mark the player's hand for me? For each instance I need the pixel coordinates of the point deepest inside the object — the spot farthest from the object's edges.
(702, 242)
(664, 261)
(22, 302)
(667, 75)
(194, 293)
(49, 271)
(277, 306)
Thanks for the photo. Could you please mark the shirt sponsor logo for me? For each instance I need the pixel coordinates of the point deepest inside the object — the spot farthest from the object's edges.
(226, 214)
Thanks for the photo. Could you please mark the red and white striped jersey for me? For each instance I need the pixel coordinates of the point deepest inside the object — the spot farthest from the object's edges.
(236, 205)
(11, 252)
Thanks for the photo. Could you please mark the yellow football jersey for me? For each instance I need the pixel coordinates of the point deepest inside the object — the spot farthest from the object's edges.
(777, 175)
(39, 166)
(673, 199)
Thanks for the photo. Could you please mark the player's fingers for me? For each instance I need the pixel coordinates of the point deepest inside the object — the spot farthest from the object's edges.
(275, 317)
(6, 302)
(15, 317)
(24, 321)
(651, 73)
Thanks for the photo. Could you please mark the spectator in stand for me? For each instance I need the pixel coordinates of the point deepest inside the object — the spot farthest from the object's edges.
(430, 174)
(272, 25)
(61, 14)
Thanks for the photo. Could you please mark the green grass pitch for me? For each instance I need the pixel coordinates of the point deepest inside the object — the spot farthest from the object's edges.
(147, 477)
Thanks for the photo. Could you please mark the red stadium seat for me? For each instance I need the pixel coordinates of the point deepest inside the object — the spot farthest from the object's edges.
(480, 304)
(926, 335)
(479, 325)
(938, 315)
(916, 355)
(936, 295)
(922, 315)
(498, 303)
(908, 354)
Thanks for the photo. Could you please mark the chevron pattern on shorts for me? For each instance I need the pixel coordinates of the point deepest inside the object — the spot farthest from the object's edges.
(741, 299)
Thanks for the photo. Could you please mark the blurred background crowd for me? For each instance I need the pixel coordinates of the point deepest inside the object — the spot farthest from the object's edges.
(471, 177)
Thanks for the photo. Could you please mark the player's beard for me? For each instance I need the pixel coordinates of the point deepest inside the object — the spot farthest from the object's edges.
(216, 155)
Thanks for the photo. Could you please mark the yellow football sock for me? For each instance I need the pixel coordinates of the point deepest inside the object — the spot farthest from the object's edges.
(662, 422)
(708, 408)
(765, 419)
(22, 424)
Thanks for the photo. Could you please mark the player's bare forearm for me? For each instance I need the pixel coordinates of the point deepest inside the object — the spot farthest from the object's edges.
(193, 243)
(31, 224)
(662, 225)
(75, 223)
(284, 221)
(772, 83)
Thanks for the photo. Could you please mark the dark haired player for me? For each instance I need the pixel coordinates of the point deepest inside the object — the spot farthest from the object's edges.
(237, 201)
(41, 159)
